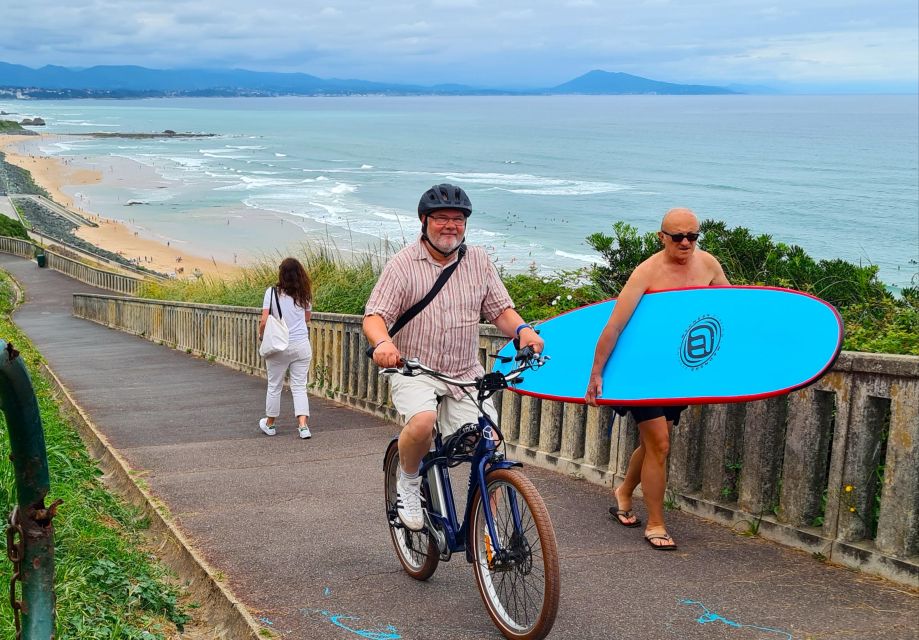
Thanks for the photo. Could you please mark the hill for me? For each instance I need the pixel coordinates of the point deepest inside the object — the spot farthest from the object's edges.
(18, 81)
(604, 83)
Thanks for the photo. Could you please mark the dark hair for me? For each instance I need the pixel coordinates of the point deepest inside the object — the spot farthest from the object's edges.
(294, 281)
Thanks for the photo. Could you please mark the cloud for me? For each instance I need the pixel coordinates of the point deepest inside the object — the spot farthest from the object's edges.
(526, 42)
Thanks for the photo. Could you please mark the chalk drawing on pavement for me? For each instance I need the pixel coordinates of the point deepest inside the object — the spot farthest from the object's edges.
(710, 616)
(388, 632)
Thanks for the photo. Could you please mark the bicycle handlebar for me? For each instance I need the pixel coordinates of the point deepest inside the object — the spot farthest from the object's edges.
(526, 358)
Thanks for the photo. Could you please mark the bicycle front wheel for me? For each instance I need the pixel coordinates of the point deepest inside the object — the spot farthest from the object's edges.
(416, 550)
(519, 585)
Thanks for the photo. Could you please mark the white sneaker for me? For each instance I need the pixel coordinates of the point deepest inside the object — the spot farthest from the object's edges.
(266, 428)
(305, 433)
(408, 503)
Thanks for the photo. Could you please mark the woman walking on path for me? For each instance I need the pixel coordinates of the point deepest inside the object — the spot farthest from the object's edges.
(292, 296)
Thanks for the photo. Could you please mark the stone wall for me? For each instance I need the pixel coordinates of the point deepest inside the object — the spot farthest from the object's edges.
(832, 469)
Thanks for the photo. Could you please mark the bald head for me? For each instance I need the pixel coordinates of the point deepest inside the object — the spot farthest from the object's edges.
(680, 219)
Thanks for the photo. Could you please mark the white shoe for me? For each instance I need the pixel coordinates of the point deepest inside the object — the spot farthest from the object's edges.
(408, 503)
(305, 433)
(266, 428)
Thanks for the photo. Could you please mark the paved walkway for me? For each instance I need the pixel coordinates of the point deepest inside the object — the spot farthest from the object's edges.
(297, 526)
(6, 207)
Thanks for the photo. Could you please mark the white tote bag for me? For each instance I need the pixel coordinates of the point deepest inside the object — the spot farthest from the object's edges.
(276, 336)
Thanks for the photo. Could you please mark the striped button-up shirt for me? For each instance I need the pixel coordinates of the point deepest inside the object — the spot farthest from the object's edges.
(445, 335)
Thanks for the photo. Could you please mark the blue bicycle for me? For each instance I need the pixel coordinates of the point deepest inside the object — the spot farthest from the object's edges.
(506, 532)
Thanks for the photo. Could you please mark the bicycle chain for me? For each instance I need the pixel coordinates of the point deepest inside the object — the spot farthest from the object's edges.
(14, 551)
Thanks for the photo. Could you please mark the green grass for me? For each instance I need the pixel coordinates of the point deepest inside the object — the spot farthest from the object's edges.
(108, 587)
(875, 320)
(12, 228)
(10, 126)
(340, 285)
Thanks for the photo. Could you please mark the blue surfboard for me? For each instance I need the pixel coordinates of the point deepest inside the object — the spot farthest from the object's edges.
(691, 346)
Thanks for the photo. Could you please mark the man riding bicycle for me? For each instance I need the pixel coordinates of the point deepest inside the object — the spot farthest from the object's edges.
(444, 334)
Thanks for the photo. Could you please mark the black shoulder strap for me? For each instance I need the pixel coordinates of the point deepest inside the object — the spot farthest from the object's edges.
(416, 308)
(277, 301)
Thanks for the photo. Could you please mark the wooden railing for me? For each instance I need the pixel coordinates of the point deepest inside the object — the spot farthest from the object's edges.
(117, 282)
(17, 247)
(832, 469)
(111, 281)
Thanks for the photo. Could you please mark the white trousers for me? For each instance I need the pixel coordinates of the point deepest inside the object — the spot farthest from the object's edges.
(296, 358)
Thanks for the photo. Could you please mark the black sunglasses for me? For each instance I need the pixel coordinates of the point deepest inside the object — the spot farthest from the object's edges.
(679, 237)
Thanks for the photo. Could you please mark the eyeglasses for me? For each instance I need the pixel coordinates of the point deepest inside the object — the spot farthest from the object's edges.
(679, 237)
(441, 221)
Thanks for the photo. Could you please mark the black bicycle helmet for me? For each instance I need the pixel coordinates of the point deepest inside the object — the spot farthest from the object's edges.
(444, 196)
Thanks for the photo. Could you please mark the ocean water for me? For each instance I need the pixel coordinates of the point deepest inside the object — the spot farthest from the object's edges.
(837, 175)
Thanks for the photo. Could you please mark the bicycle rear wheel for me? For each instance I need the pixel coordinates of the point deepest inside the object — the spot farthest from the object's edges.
(520, 587)
(416, 550)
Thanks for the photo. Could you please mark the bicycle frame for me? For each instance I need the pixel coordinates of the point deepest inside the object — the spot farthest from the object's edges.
(444, 514)
(451, 534)
(507, 534)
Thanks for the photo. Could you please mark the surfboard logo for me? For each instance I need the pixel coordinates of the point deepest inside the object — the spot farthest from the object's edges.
(700, 342)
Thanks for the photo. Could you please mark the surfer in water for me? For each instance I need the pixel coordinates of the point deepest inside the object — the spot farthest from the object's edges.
(679, 264)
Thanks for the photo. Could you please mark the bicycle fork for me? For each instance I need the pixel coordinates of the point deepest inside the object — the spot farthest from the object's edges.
(494, 547)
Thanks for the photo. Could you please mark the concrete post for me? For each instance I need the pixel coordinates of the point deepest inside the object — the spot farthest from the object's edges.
(624, 439)
(764, 443)
(723, 442)
(808, 437)
(550, 426)
(529, 420)
(684, 474)
(596, 441)
(867, 422)
(510, 416)
(898, 525)
(573, 426)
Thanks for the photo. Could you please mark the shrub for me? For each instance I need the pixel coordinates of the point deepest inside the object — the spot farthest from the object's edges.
(12, 228)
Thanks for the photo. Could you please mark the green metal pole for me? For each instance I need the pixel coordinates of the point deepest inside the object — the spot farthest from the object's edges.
(31, 532)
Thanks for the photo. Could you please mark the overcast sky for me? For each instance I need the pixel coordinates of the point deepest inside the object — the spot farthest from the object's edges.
(872, 44)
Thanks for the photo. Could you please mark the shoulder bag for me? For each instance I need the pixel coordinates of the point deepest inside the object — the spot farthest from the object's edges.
(276, 336)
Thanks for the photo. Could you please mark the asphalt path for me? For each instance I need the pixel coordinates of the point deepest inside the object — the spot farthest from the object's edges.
(297, 526)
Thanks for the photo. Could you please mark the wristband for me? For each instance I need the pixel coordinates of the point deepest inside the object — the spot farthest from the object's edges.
(525, 325)
(381, 342)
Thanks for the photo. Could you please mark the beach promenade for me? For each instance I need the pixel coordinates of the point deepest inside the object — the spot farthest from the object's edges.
(296, 528)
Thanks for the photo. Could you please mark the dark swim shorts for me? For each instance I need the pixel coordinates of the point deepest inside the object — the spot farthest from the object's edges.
(641, 414)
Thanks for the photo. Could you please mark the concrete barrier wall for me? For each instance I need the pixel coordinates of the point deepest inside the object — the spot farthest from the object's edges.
(832, 469)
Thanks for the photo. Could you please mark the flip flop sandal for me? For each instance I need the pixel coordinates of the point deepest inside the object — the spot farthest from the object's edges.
(622, 517)
(661, 547)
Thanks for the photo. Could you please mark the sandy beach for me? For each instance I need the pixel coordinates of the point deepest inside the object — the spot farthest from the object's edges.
(58, 176)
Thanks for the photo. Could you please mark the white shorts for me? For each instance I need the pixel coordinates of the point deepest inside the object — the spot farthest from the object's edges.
(412, 395)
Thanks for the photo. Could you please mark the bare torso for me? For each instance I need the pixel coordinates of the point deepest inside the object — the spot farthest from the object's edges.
(660, 272)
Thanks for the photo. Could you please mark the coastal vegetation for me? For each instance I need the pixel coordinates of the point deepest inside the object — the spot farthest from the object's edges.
(12, 228)
(875, 319)
(107, 584)
(10, 127)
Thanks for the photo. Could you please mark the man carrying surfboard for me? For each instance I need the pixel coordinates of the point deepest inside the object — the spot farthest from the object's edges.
(679, 264)
(439, 290)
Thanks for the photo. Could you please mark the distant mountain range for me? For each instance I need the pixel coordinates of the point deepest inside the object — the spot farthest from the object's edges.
(130, 81)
